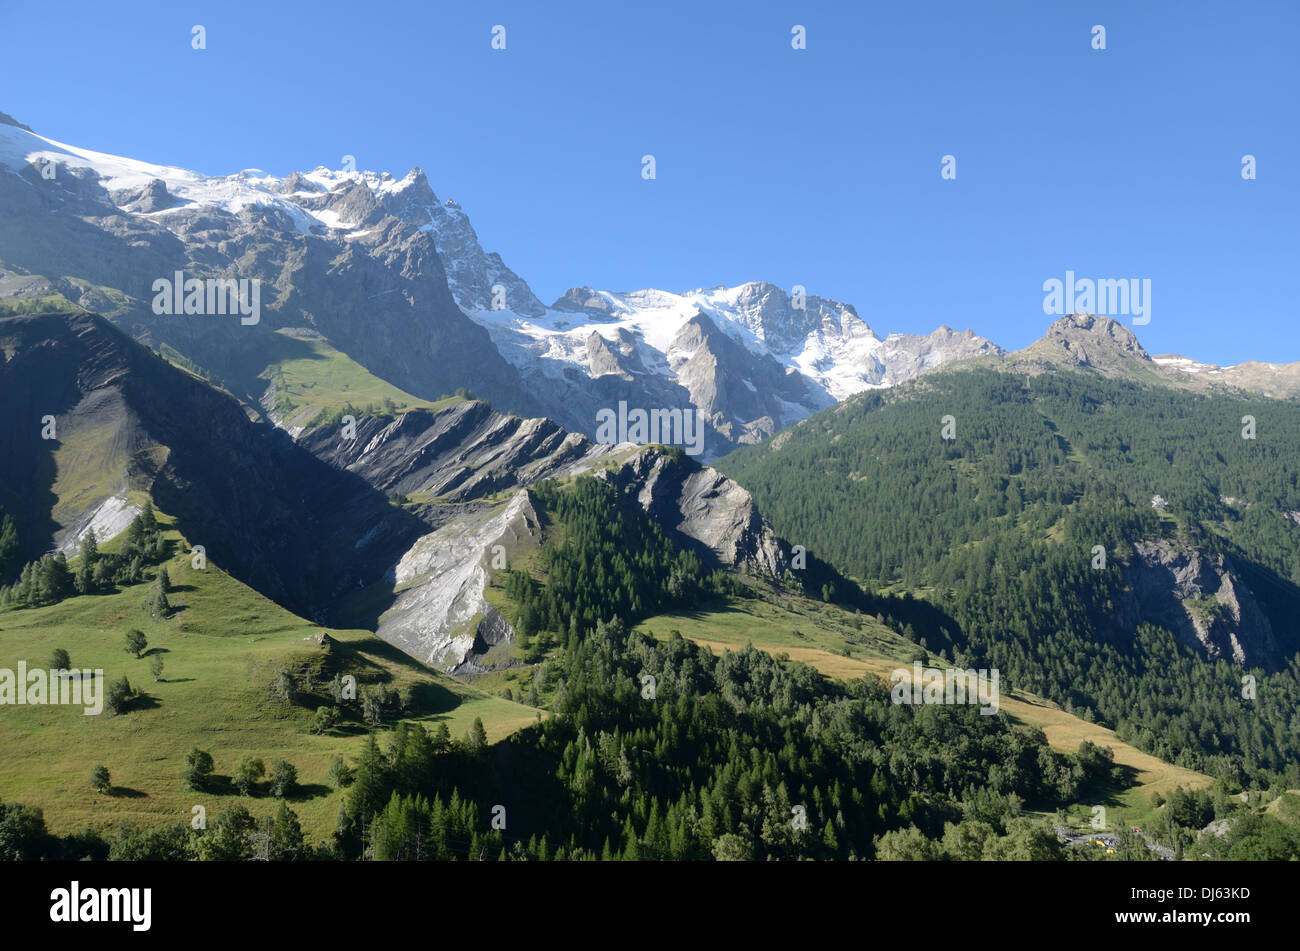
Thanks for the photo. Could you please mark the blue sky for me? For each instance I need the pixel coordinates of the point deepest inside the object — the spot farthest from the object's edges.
(818, 167)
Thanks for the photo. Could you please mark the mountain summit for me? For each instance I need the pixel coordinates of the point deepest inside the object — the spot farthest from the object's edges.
(382, 271)
(1106, 346)
(1087, 340)
(398, 281)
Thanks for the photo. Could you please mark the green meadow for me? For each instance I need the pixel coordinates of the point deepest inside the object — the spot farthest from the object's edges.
(312, 378)
(221, 648)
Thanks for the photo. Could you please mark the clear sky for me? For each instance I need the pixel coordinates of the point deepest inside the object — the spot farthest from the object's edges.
(818, 167)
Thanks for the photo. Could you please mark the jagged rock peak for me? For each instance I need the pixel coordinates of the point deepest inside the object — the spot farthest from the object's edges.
(584, 300)
(1090, 327)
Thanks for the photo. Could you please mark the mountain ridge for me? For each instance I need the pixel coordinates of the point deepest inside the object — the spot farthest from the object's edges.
(316, 239)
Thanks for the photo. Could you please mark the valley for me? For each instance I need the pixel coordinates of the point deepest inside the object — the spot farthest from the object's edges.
(395, 569)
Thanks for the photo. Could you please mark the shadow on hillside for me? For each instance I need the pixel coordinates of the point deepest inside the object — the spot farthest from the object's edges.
(1278, 598)
(218, 785)
(283, 522)
(305, 791)
(1107, 792)
(426, 696)
(245, 374)
(705, 609)
(223, 785)
(312, 702)
(348, 729)
(430, 698)
(383, 650)
(126, 792)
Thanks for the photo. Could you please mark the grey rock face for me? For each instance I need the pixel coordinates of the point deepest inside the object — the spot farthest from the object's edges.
(459, 459)
(295, 183)
(111, 517)
(440, 614)
(153, 197)
(1101, 344)
(472, 273)
(1084, 331)
(374, 285)
(770, 314)
(706, 511)
(741, 393)
(15, 286)
(456, 462)
(908, 356)
(7, 119)
(461, 453)
(618, 357)
(586, 301)
(744, 396)
(1200, 597)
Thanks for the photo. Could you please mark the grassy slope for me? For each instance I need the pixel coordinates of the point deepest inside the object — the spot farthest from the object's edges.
(311, 376)
(826, 634)
(45, 304)
(221, 651)
(90, 457)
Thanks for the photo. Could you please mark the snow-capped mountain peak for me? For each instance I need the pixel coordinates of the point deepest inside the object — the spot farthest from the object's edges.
(821, 340)
(754, 357)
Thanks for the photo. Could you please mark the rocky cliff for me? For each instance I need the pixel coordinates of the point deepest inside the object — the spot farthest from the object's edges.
(465, 470)
(1200, 597)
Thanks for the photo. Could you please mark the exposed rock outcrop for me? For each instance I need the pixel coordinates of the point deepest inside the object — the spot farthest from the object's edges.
(1101, 344)
(454, 462)
(740, 392)
(1200, 597)
(111, 517)
(460, 452)
(705, 510)
(440, 614)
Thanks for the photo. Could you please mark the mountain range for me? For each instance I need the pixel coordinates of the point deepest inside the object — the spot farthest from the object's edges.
(401, 441)
(399, 282)
(372, 278)
(384, 272)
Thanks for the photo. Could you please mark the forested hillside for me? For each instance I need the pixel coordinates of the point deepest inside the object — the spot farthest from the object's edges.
(610, 560)
(999, 524)
(715, 759)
